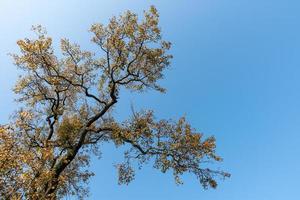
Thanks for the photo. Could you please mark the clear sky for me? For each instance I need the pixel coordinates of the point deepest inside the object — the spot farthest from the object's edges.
(235, 75)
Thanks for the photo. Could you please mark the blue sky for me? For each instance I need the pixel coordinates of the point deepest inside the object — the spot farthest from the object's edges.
(235, 75)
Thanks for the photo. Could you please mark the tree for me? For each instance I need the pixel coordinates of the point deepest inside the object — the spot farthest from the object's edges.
(66, 112)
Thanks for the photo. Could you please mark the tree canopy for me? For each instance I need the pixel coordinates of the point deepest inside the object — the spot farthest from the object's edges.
(66, 112)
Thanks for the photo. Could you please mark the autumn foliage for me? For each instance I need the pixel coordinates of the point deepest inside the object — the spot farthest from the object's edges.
(66, 111)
